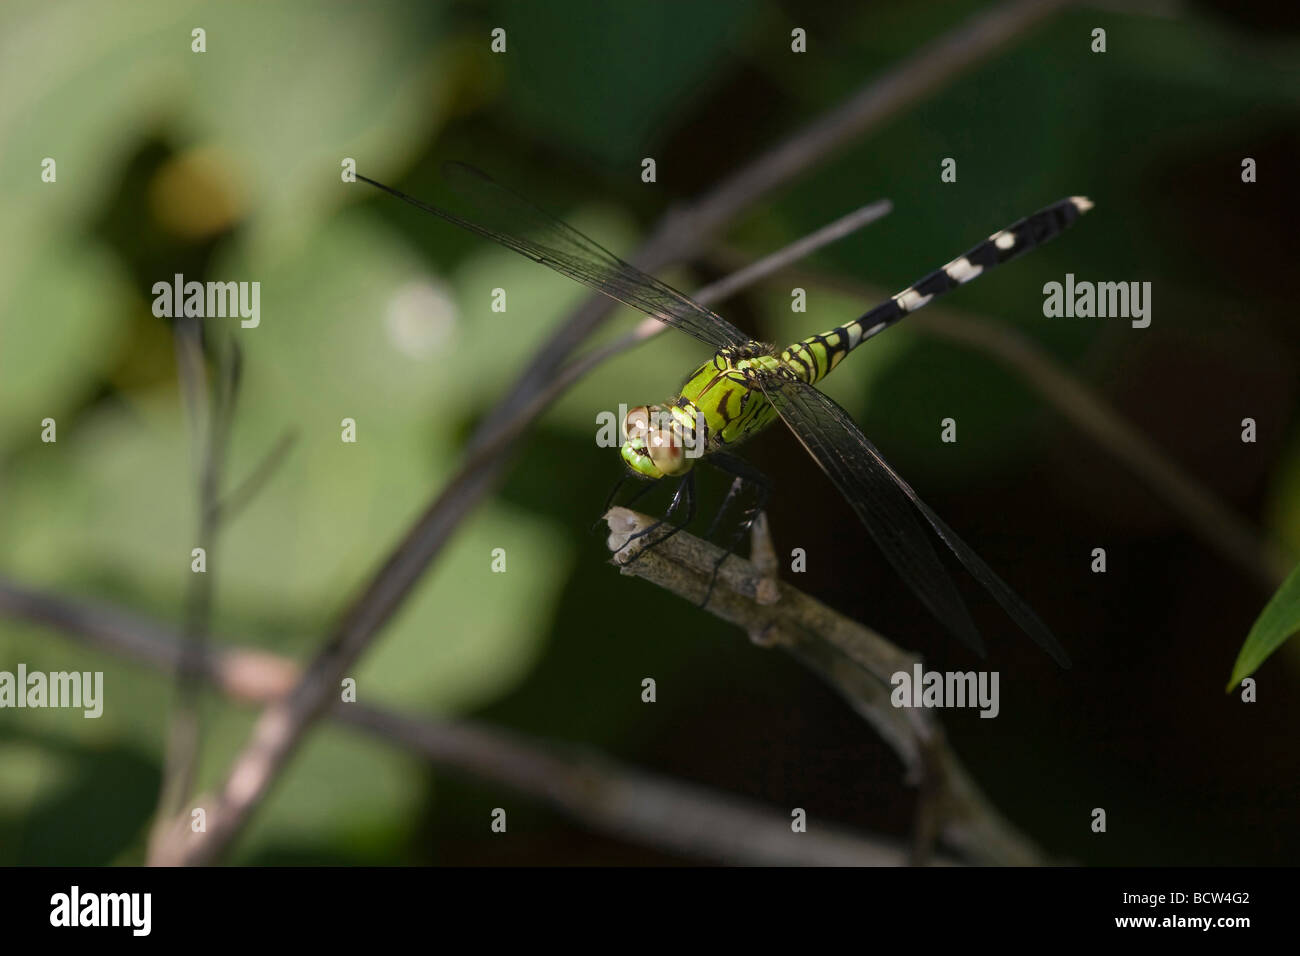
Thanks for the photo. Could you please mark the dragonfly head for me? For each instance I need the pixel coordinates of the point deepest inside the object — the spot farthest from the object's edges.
(652, 447)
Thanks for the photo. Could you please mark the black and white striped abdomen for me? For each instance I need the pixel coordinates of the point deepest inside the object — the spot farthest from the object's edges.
(824, 351)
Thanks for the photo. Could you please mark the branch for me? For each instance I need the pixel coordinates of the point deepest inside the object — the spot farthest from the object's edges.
(853, 659)
(679, 236)
(594, 792)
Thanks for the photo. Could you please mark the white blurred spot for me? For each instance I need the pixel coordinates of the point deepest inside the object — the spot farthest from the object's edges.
(420, 318)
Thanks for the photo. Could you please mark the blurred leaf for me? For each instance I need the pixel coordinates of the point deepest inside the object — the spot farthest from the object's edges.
(282, 94)
(648, 58)
(1279, 620)
(111, 509)
(94, 799)
(56, 334)
(118, 507)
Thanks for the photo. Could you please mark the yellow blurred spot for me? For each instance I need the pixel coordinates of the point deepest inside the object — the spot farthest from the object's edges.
(196, 194)
(479, 77)
(150, 357)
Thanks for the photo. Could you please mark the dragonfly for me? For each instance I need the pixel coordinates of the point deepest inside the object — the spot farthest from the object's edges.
(748, 385)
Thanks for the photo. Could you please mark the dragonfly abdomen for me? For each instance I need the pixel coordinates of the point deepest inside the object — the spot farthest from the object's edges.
(812, 359)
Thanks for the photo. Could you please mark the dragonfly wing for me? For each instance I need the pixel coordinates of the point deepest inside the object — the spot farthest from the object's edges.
(503, 216)
(825, 430)
(883, 500)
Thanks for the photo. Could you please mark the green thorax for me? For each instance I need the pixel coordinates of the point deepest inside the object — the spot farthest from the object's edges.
(733, 409)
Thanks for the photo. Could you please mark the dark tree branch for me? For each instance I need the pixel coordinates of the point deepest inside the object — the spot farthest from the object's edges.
(594, 792)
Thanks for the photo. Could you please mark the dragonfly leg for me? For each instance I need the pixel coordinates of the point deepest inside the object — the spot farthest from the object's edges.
(737, 486)
(685, 493)
(745, 474)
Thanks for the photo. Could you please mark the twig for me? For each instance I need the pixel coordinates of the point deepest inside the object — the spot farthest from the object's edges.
(594, 792)
(853, 659)
(210, 416)
(680, 236)
(229, 507)
(746, 276)
(211, 410)
(762, 554)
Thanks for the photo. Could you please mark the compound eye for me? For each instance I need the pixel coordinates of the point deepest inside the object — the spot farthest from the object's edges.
(636, 424)
(665, 450)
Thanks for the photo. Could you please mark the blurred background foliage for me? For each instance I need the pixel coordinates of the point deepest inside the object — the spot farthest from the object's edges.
(225, 165)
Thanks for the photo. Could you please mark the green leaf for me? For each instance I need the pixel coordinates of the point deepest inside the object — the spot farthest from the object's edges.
(109, 511)
(1278, 621)
(281, 95)
(648, 63)
(61, 305)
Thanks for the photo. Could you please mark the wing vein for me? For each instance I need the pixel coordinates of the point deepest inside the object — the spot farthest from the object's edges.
(499, 214)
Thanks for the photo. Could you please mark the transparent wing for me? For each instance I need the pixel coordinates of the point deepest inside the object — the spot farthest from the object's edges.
(506, 217)
(884, 503)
